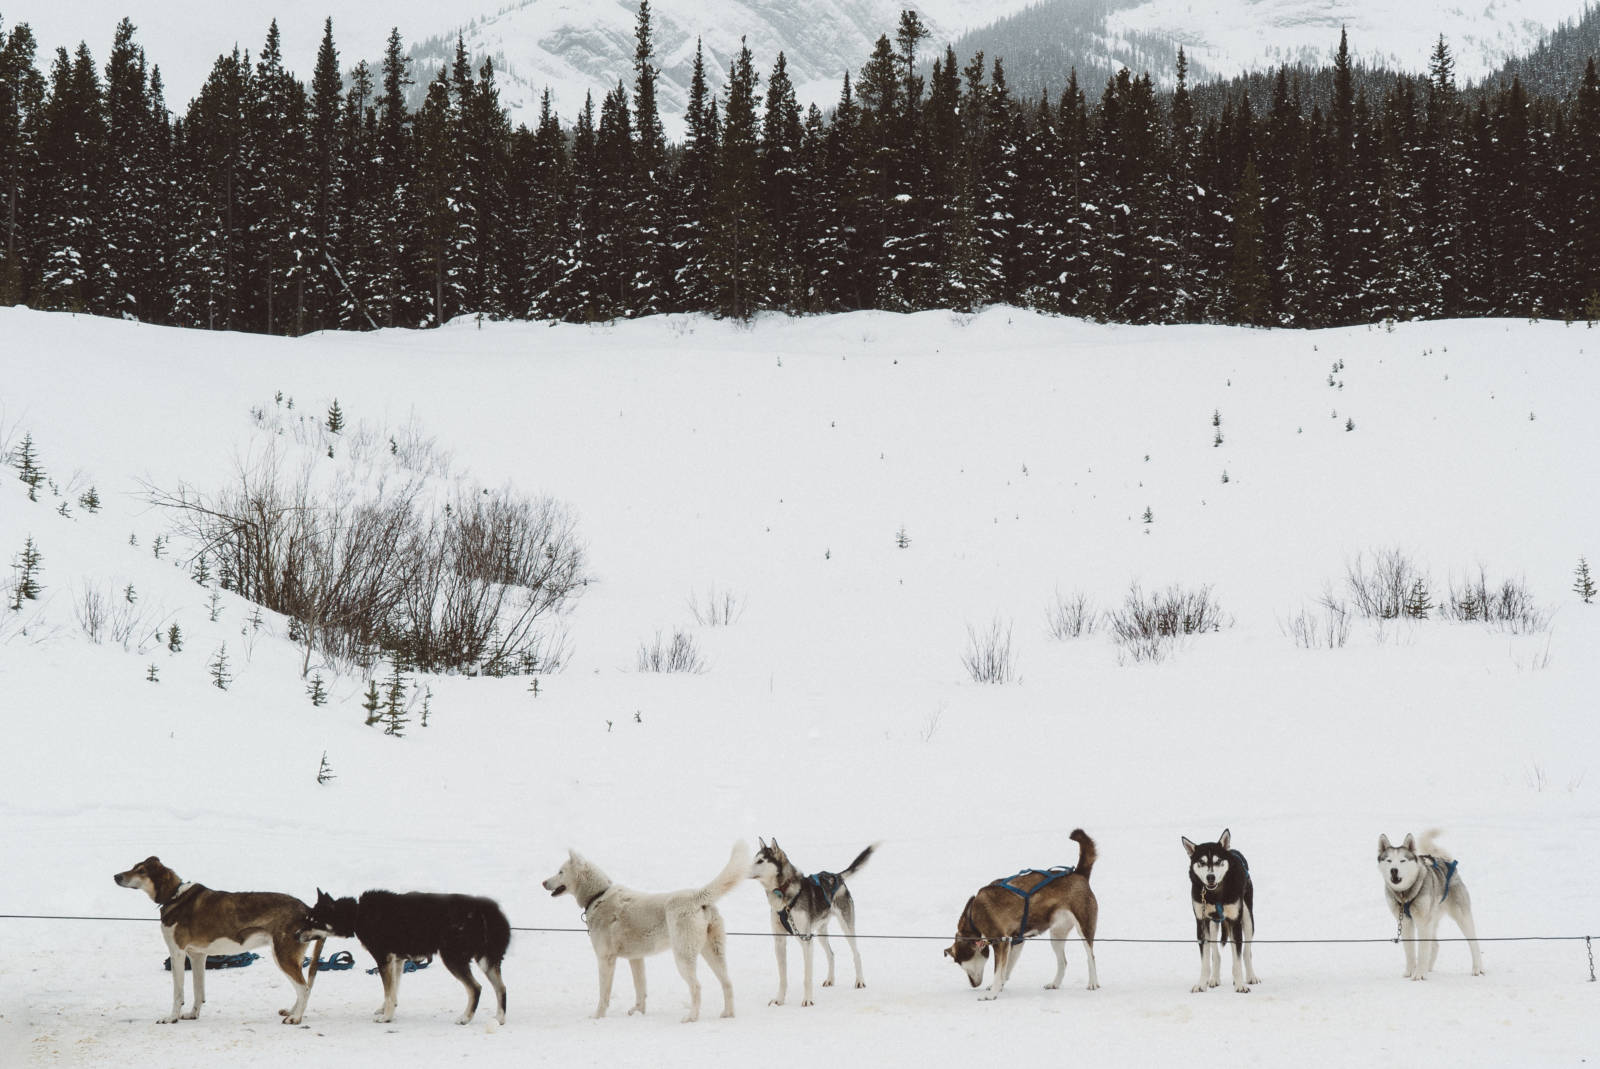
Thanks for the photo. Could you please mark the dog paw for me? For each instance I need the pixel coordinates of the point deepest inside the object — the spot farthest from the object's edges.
(465, 1018)
(727, 1013)
(639, 1009)
(382, 1018)
(828, 982)
(775, 1002)
(1200, 988)
(1243, 989)
(166, 1020)
(290, 1018)
(190, 1015)
(807, 1002)
(1052, 987)
(860, 984)
(988, 996)
(500, 1018)
(1094, 985)
(690, 1019)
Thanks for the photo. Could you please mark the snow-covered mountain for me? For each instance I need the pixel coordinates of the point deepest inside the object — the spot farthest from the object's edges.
(575, 47)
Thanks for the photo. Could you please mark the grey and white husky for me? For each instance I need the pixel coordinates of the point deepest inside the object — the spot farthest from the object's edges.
(1421, 884)
(1224, 901)
(802, 907)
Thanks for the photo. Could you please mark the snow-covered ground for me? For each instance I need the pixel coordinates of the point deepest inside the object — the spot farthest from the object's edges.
(778, 462)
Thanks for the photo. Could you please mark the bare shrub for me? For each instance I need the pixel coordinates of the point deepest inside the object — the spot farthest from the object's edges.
(988, 657)
(1387, 587)
(1146, 629)
(107, 616)
(679, 654)
(1508, 605)
(380, 565)
(1329, 629)
(720, 608)
(1072, 615)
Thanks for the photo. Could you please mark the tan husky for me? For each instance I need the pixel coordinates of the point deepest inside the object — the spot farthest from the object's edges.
(196, 921)
(1033, 902)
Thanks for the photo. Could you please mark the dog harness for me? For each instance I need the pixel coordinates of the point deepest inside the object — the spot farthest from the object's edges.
(1050, 876)
(1449, 875)
(826, 882)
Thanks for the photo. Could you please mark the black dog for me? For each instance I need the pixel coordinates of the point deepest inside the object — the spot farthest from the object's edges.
(1224, 901)
(396, 928)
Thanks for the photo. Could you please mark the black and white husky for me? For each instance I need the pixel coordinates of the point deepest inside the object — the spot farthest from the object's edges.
(802, 906)
(1420, 884)
(1224, 911)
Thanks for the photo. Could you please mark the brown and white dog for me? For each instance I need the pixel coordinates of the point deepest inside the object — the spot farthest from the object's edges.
(196, 921)
(1033, 902)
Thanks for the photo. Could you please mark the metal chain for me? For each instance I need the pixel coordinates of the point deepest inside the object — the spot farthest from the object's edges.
(1588, 943)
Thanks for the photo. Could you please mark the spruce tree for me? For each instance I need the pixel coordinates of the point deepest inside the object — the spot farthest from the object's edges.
(742, 249)
(27, 465)
(1583, 582)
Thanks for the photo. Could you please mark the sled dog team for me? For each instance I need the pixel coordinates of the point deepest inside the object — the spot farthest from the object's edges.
(1420, 883)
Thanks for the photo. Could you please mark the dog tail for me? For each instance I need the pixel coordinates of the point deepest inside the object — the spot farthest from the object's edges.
(1086, 852)
(1429, 847)
(859, 863)
(732, 875)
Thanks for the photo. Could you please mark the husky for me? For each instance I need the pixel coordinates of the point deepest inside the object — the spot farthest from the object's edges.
(624, 923)
(1224, 902)
(1033, 902)
(1420, 884)
(196, 921)
(396, 928)
(802, 907)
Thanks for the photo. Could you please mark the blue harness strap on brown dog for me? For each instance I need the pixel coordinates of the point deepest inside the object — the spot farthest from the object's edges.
(1051, 875)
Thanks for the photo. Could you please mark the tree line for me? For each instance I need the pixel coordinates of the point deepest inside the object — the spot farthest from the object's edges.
(271, 206)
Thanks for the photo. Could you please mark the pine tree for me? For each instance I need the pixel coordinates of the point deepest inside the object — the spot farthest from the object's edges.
(319, 289)
(90, 500)
(27, 465)
(325, 770)
(372, 703)
(742, 243)
(1583, 583)
(220, 675)
(395, 716)
(22, 95)
(72, 156)
(27, 569)
(335, 422)
(174, 638)
(317, 692)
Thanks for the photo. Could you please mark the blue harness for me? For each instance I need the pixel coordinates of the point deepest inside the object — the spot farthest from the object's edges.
(1050, 876)
(826, 882)
(1449, 874)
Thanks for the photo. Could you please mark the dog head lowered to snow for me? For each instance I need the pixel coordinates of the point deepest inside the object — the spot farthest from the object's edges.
(1421, 884)
(1033, 902)
(624, 923)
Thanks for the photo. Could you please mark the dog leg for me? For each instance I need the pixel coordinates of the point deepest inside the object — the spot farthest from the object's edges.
(392, 968)
(492, 971)
(807, 955)
(197, 977)
(176, 957)
(1248, 919)
(1088, 953)
(460, 967)
(1463, 917)
(716, 955)
(1006, 954)
(1203, 938)
(847, 922)
(286, 950)
(1428, 952)
(827, 949)
(636, 966)
(1059, 945)
(685, 958)
(607, 964)
(1408, 939)
(780, 948)
(1237, 928)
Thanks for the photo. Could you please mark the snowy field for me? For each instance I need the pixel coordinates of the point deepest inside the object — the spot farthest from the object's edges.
(778, 462)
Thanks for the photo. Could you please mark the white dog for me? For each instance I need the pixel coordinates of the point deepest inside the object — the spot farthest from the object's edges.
(1421, 885)
(624, 923)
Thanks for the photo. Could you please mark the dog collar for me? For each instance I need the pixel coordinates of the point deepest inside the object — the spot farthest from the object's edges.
(587, 906)
(184, 890)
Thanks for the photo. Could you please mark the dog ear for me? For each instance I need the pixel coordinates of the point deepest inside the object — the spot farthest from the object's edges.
(1410, 843)
(1223, 839)
(1383, 844)
(1188, 847)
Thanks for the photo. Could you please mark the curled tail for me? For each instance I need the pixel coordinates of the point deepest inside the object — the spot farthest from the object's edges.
(732, 875)
(859, 863)
(1086, 852)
